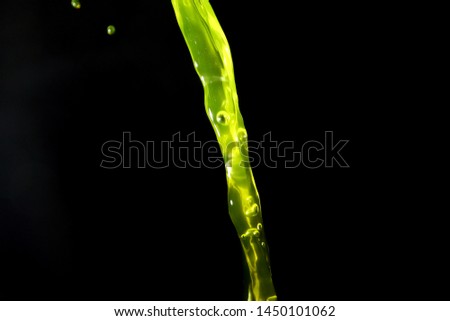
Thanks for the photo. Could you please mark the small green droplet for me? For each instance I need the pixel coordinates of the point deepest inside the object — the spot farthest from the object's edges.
(111, 30)
(76, 4)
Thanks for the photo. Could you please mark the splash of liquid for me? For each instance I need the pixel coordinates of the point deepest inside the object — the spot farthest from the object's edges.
(212, 60)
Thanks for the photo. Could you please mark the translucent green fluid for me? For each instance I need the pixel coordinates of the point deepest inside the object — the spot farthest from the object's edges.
(212, 60)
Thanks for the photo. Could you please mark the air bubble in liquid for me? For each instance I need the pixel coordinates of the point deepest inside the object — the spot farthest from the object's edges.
(242, 135)
(223, 118)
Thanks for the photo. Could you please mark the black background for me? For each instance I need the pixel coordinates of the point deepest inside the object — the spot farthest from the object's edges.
(70, 230)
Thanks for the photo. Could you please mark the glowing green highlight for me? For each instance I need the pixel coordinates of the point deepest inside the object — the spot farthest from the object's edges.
(212, 60)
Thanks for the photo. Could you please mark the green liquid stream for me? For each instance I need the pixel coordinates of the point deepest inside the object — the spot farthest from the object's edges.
(212, 60)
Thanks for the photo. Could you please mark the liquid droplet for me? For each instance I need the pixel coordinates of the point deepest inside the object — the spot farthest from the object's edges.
(223, 118)
(111, 30)
(272, 298)
(259, 226)
(76, 4)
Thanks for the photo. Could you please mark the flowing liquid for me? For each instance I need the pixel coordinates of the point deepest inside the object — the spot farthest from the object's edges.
(212, 60)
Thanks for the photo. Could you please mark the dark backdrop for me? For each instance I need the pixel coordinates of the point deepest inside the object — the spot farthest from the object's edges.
(71, 230)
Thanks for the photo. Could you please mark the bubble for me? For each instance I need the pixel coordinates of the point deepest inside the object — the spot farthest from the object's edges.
(111, 30)
(242, 135)
(76, 4)
(259, 226)
(223, 118)
(263, 244)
